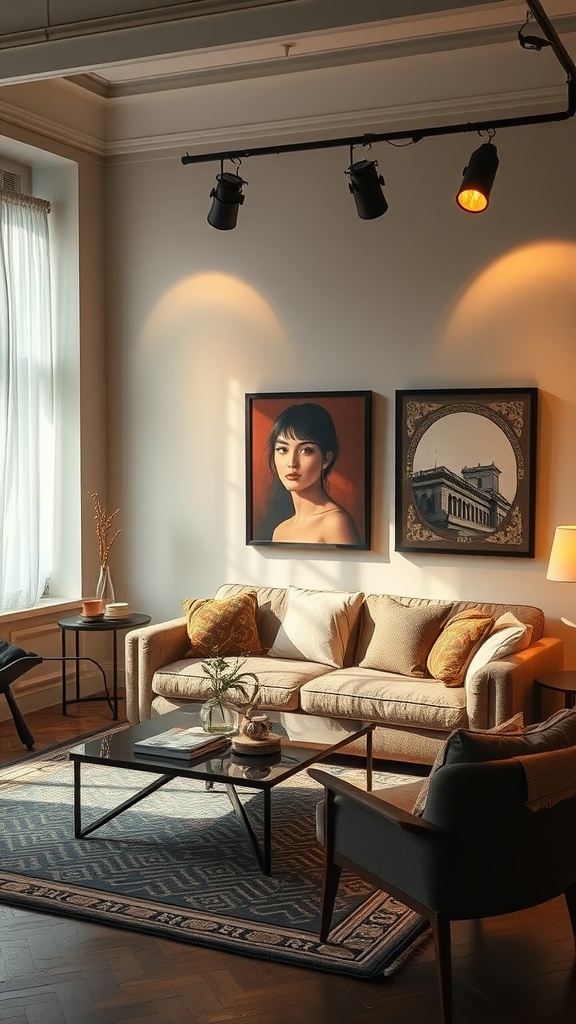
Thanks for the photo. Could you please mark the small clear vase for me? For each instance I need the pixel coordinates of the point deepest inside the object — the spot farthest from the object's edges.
(218, 718)
(105, 587)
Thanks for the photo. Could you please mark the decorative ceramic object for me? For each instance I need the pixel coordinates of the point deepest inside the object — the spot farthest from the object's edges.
(91, 608)
(255, 726)
(255, 733)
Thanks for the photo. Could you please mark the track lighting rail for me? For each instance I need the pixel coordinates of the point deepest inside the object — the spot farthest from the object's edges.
(415, 135)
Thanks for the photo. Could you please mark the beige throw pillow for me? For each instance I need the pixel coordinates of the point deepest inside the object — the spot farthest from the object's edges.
(317, 626)
(507, 636)
(397, 637)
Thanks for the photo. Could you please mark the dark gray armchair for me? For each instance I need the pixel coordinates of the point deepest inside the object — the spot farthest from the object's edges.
(477, 851)
(14, 662)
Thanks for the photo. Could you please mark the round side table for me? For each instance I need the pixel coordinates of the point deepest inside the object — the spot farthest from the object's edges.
(77, 625)
(562, 682)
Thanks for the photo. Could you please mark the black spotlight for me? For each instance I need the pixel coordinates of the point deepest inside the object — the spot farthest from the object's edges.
(226, 198)
(474, 192)
(365, 185)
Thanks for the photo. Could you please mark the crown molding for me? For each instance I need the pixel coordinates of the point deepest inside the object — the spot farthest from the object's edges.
(331, 125)
(38, 124)
(318, 126)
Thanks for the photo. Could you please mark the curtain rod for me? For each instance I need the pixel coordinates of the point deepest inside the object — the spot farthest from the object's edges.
(19, 199)
(552, 39)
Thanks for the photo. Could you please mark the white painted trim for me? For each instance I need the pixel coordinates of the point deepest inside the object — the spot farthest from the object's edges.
(40, 125)
(379, 119)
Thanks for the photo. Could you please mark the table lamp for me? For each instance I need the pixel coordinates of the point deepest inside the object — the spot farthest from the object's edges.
(562, 561)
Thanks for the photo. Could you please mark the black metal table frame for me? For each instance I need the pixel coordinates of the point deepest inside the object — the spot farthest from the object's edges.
(262, 850)
(76, 625)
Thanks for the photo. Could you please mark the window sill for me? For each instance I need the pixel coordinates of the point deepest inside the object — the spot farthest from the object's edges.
(47, 606)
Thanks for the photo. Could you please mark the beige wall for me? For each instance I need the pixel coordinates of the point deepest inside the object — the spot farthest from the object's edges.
(303, 296)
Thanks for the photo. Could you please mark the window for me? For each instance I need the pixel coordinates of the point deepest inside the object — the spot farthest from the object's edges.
(27, 398)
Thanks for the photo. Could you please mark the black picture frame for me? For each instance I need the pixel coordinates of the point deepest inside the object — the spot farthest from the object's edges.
(466, 471)
(269, 503)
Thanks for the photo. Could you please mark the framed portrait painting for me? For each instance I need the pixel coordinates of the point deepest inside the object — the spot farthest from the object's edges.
(466, 471)
(308, 465)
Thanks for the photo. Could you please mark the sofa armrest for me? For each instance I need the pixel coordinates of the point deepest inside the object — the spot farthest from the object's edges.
(501, 689)
(147, 650)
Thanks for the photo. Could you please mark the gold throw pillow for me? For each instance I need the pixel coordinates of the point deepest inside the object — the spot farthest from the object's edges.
(225, 626)
(456, 644)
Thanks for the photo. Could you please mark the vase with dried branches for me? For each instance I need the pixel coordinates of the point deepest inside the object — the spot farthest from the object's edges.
(104, 520)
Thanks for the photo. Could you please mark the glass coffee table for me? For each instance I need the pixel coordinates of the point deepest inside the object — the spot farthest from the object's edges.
(234, 771)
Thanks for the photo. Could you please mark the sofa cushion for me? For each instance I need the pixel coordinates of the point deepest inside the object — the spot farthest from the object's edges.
(507, 636)
(397, 637)
(502, 742)
(456, 644)
(225, 626)
(317, 626)
(390, 699)
(279, 681)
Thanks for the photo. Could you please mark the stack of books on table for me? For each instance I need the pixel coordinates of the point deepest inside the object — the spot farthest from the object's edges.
(184, 744)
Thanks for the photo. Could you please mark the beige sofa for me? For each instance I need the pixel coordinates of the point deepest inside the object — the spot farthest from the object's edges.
(377, 634)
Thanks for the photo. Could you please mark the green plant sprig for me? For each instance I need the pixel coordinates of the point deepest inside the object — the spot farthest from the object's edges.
(226, 676)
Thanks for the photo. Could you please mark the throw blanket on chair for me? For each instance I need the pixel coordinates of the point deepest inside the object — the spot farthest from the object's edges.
(550, 777)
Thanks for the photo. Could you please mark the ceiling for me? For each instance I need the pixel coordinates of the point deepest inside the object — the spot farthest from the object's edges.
(213, 75)
(121, 48)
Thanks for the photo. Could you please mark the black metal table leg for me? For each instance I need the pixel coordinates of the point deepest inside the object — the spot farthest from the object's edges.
(81, 833)
(63, 672)
(263, 854)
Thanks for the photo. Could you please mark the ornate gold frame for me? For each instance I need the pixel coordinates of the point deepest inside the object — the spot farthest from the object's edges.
(444, 509)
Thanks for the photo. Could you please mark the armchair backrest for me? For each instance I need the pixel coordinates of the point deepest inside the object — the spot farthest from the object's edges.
(501, 855)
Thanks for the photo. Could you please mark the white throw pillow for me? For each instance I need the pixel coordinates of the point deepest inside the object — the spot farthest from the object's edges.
(507, 636)
(317, 626)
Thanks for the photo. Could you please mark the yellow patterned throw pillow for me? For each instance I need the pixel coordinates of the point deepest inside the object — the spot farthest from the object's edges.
(456, 644)
(225, 626)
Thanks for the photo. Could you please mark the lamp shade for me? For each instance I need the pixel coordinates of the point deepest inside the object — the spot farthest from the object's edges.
(474, 192)
(562, 561)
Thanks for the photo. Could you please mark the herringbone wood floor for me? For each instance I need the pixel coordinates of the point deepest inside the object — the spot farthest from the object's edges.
(518, 969)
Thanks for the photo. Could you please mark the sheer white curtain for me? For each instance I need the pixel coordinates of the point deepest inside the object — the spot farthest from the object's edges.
(26, 402)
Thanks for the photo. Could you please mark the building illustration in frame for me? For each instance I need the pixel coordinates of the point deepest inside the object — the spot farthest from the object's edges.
(470, 504)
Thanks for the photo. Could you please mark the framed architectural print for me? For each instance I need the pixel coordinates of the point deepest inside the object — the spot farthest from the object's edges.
(308, 465)
(466, 471)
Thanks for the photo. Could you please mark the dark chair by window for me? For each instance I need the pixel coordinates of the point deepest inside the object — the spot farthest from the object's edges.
(478, 850)
(14, 662)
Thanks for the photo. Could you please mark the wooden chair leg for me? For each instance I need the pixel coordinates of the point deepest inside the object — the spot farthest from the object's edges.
(443, 950)
(21, 727)
(570, 897)
(330, 883)
(332, 871)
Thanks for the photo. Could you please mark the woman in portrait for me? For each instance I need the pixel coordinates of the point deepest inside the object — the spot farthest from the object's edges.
(302, 451)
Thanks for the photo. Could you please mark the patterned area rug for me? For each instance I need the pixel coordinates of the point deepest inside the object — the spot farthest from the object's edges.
(177, 865)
